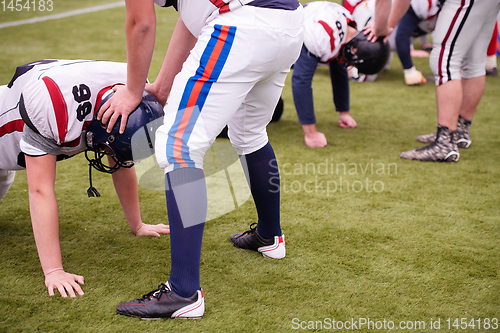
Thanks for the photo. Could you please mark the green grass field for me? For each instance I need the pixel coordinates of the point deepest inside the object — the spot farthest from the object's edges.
(369, 236)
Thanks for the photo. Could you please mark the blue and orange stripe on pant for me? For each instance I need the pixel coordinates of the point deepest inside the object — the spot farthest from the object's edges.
(195, 94)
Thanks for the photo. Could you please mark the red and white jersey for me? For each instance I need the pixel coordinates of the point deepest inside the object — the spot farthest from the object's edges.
(197, 13)
(194, 13)
(60, 98)
(325, 28)
(351, 5)
(426, 11)
(363, 12)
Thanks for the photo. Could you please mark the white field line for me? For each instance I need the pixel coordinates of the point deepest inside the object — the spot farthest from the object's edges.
(61, 15)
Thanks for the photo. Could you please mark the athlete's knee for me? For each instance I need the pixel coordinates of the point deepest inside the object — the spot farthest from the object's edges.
(471, 71)
(245, 145)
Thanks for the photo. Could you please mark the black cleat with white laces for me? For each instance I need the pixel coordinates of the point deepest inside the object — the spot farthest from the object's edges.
(251, 240)
(164, 303)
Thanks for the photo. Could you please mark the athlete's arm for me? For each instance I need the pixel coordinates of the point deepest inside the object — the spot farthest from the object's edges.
(379, 28)
(125, 182)
(140, 31)
(398, 10)
(181, 43)
(41, 173)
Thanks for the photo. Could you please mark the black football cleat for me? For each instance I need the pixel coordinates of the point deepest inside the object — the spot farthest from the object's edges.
(251, 240)
(164, 303)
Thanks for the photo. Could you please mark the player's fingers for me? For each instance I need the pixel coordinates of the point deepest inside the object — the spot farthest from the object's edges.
(62, 291)
(123, 123)
(77, 288)
(79, 279)
(165, 229)
(342, 124)
(111, 122)
(70, 290)
(51, 291)
(106, 116)
(103, 109)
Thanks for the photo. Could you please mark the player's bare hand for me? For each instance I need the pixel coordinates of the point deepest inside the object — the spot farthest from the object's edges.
(369, 30)
(315, 140)
(154, 89)
(66, 283)
(346, 121)
(152, 230)
(121, 104)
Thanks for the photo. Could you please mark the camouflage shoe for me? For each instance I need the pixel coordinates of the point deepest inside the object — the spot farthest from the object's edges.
(443, 149)
(462, 137)
(463, 133)
(427, 138)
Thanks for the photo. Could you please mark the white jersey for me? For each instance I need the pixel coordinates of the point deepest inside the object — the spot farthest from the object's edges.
(325, 29)
(194, 13)
(58, 99)
(426, 11)
(364, 12)
(351, 5)
(198, 13)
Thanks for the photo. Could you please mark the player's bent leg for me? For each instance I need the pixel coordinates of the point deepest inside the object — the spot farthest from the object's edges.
(6, 180)
(263, 177)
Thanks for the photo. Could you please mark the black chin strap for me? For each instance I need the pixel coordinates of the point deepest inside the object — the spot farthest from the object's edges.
(92, 191)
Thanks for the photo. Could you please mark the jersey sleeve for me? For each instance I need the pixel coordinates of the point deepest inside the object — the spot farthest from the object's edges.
(33, 144)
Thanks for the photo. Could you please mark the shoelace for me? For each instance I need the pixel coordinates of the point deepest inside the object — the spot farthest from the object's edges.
(162, 289)
(253, 229)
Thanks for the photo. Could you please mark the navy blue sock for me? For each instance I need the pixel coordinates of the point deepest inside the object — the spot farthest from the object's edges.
(264, 184)
(185, 191)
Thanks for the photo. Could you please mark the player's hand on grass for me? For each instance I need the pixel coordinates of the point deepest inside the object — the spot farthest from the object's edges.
(346, 120)
(66, 283)
(122, 103)
(152, 230)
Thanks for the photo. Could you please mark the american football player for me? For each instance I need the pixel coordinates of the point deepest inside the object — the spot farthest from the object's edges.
(229, 59)
(458, 60)
(419, 20)
(330, 33)
(46, 112)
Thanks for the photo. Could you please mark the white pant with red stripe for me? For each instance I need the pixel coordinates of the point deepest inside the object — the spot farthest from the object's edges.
(463, 32)
(234, 75)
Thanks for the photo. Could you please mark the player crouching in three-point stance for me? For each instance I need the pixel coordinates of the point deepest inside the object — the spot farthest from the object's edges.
(46, 114)
(230, 60)
(330, 35)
